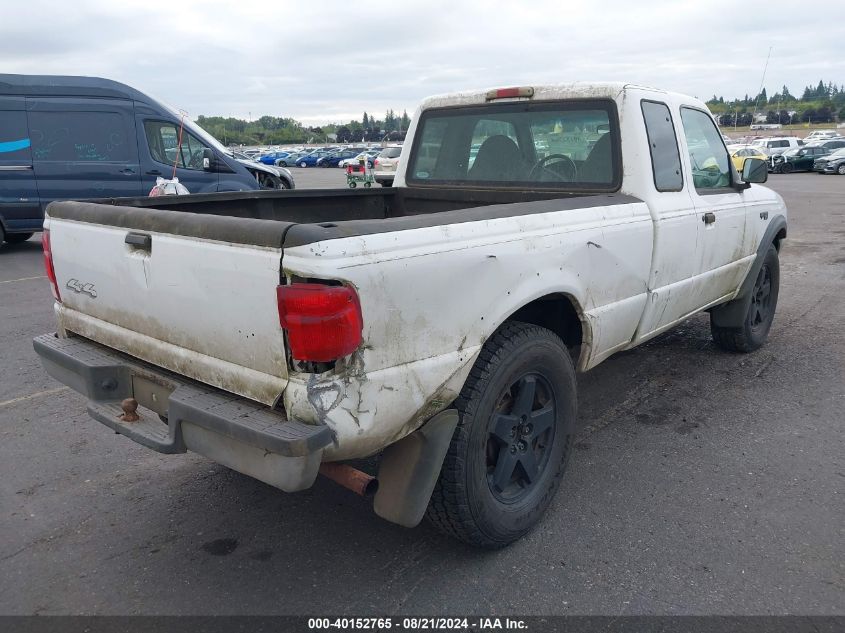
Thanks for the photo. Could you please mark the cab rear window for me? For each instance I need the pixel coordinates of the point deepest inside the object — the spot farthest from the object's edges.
(563, 145)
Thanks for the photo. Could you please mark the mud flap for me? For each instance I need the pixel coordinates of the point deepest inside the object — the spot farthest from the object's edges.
(409, 469)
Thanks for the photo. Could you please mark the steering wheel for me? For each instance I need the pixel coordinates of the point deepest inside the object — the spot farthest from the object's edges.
(568, 163)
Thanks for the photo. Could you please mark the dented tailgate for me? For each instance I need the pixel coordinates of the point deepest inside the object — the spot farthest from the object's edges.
(192, 293)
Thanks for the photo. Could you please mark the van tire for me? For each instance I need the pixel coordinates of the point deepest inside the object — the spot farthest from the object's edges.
(754, 330)
(2, 235)
(17, 238)
(470, 501)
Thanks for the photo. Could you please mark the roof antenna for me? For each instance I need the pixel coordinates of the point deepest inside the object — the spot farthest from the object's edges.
(762, 81)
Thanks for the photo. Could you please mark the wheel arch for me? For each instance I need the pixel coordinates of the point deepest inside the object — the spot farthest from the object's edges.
(561, 313)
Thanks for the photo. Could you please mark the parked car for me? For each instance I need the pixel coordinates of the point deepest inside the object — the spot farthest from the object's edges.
(66, 138)
(369, 156)
(821, 135)
(384, 166)
(798, 159)
(438, 324)
(741, 153)
(289, 160)
(831, 144)
(332, 160)
(833, 163)
(778, 145)
(310, 160)
(271, 157)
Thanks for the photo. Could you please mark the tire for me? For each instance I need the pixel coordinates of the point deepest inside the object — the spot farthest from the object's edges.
(786, 168)
(367, 185)
(353, 184)
(282, 163)
(303, 164)
(2, 235)
(475, 499)
(752, 334)
(18, 238)
(841, 169)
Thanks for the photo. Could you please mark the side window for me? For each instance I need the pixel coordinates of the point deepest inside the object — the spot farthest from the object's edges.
(663, 145)
(163, 140)
(708, 156)
(14, 137)
(79, 136)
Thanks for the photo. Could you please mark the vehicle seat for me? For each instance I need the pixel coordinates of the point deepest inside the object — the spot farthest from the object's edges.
(599, 164)
(498, 158)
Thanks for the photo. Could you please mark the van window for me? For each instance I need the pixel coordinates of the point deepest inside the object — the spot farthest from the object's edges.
(163, 139)
(79, 136)
(14, 137)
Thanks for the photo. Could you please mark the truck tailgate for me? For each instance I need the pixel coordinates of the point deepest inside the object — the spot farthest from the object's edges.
(192, 293)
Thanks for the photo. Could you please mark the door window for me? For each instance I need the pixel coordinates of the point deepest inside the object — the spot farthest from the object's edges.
(163, 140)
(665, 158)
(79, 136)
(707, 152)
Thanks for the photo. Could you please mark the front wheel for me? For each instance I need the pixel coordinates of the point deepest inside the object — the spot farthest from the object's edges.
(754, 330)
(786, 168)
(303, 164)
(508, 453)
(841, 169)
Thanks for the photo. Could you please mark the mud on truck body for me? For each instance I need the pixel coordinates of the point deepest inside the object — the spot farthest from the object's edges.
(531, 232)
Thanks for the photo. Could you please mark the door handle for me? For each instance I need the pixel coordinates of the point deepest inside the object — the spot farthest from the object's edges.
(153, 172)
(141, 241)
(709, 218)
(127, 170)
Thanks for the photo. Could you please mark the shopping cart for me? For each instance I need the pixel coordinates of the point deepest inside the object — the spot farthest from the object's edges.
(359, 172)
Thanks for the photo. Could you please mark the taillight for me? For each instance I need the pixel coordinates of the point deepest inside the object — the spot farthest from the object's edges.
(375, 162)
(323, 323)
(48, 265)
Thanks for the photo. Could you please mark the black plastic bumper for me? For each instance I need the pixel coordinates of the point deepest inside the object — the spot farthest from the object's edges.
(178, 414)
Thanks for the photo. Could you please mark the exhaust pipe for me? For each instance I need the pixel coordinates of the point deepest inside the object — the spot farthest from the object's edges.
(355, 480)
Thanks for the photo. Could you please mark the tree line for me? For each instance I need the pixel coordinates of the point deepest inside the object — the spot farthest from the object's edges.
(271, 130)
(823, 103)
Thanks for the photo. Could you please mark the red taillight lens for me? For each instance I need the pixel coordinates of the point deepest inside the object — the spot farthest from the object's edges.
(507, 93)
(375, 162)
(48, 265)
(323, 323)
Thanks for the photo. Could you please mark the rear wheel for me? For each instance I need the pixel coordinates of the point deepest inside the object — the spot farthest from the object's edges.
(17, 238)
(303, 164)
(353, 184)
(509, 450)
(761, 311)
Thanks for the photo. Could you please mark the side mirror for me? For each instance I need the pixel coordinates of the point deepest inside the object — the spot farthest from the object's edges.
(755, 170)
(207, 159)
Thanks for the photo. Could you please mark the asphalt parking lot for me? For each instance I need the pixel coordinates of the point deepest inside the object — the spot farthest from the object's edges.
(703, 483)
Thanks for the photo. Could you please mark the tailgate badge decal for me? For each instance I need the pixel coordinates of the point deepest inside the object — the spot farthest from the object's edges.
(78, 286)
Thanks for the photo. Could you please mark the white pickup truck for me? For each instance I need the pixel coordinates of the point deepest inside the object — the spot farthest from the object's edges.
(531, 232)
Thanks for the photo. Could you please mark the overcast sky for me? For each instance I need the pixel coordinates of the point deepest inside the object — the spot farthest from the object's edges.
(322, 61)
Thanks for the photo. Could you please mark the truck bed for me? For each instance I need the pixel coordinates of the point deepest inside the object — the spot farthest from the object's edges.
(292, 218)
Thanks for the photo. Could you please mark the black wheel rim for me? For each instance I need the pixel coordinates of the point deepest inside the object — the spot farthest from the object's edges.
(761, 298)
(520, 437)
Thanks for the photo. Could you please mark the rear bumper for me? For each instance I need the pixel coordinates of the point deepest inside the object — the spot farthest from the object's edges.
(239, 433)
